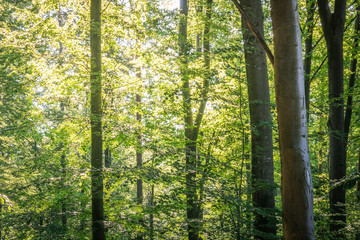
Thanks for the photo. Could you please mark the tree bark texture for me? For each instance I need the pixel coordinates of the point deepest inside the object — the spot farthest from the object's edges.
(333, 28)
(98, 231)
(262, 169)
(296, 182)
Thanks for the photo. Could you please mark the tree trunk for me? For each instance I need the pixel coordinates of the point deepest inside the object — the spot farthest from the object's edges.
(1, 217)
(151, 217)
(262, 170)
(349, 103)
(333, 27)
(61, 23)
(98, 231)
(296, 183)
(310, 11)
(358, 183)
(190, 144)
(192, 127)
(63, 204)
(107, 156)
(139, 159)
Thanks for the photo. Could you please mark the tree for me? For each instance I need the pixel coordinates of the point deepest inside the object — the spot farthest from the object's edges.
(310, 12)
(333, 28)
(192, 126)
(296, 182)
(353, 64)
(98, 230)
(139, 155)
(262, 169)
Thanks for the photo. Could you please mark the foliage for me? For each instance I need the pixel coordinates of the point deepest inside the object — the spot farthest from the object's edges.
(45, 127)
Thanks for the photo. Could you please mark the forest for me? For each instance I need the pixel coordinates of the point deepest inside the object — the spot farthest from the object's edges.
(179, 119)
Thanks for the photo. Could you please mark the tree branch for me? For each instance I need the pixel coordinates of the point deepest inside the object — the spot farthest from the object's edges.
(325, 14)
(257, 35)
(207, 75)
(318, 69)
(349, 103)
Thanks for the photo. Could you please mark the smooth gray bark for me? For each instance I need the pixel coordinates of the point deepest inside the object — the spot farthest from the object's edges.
(262, 169)
(296, 182)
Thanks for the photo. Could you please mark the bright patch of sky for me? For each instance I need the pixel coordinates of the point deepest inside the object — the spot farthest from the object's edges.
(171, 4)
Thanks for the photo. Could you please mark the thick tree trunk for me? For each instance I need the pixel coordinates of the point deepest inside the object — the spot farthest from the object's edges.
(98, 231)
(296, 183)
(262, 169)
(333, 27)
(310, 11)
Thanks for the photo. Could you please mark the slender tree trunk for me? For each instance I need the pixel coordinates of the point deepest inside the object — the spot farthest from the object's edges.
(262, 171)
(333, 27)
(190, 144)
(296, 183)
(358, 183)
(349, 103)
(358, 190)
(151, 217)
(82, 215)
(63, 204)
(61, 23)
(107, 156)
(1, 217)
(139, 158)
(310, 11)
(192, 127)
(98, 230)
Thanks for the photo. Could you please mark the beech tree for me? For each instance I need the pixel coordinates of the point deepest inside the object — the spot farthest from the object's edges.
(262, 169)
(333, 28)
(98, 230)
(187, 143)
(192, 126)
(296, 182)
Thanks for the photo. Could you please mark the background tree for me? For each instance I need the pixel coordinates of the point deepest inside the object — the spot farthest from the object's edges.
(96, 126)
(262, 168)
(333, 28)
